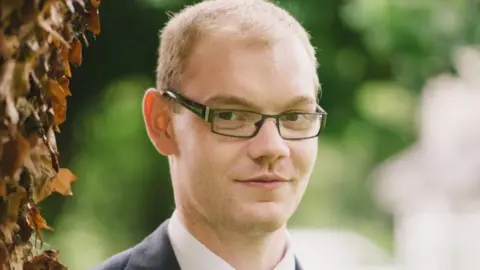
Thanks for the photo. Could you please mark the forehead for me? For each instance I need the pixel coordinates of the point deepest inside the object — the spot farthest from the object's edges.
(266, 74)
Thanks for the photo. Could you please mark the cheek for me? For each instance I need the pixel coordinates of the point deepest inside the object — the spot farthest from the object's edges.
(304, 154)
(206, 155)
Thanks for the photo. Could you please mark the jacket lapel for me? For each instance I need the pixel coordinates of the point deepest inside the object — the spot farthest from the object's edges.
(297, 264)
(154, 252)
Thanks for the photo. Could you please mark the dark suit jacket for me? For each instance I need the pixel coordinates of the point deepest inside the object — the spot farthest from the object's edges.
(153, 253)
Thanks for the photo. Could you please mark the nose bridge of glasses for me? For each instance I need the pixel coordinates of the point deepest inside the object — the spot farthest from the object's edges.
(268, 118)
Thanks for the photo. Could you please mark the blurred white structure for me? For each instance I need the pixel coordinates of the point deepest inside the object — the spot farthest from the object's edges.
(433, 188)
(337, 250)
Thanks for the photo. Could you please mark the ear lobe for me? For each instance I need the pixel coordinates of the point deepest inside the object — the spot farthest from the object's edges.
(157, 118)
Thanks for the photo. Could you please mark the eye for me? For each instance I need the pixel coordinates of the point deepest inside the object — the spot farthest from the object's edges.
(291, 117)
(232, 119)
(229, 116)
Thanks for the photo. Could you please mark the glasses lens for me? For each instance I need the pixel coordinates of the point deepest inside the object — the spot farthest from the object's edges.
(299, 125)
(239, 123)
(235, 123)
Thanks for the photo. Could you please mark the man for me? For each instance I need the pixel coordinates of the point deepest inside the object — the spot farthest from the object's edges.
(235, 110)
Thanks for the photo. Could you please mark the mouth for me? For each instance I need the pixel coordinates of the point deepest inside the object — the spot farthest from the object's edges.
(264, 182)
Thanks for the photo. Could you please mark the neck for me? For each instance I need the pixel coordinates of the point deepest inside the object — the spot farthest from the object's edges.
(240, 249)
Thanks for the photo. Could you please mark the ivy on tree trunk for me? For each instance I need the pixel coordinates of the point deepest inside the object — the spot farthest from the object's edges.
(39, 42)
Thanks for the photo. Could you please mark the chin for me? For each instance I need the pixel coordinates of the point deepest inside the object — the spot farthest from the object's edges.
(264, 216)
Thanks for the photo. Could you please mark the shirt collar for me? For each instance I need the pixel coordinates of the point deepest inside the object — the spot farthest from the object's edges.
(193, 255)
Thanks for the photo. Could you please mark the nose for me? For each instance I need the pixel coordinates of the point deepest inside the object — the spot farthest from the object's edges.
(267, 147)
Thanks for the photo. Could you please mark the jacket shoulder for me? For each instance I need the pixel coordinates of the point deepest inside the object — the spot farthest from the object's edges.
(116, 262)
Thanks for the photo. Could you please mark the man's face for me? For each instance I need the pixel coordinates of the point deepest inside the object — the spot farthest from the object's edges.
(210, 170)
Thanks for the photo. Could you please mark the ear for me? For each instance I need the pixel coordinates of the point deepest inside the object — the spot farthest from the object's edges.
(157, 117)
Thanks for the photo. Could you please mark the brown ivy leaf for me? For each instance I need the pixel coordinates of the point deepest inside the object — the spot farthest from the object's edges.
(48, 260)
(95, 3)
(33, 140)
(44, 190)
(65, 84)
(3, 133)
(59, 102)
(93, 21)
(11, 113)
(60, 109)
(42, 164)
(3, 255)
(39, 43)
(36, 221)
(75, 55)
(64, 55)
(13, 202)
(54, 34)
(8, 228)
(15, 153)
(8, 45)
(62, 182)
(56, 89)
(20, 80)
(3, 189)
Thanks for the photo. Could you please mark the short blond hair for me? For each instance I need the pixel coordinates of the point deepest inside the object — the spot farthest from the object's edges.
(259, 21)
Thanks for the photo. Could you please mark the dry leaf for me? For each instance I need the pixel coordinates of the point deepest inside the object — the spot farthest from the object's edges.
(15, 152)
(64, 51)
(36, 221)
(1, 143)
(62, 182)
(33, 140)
(48, 260)
(8, 228)
(64, 83)
(39, 41)
(20, 82)
(60, 109)
(59, 102)
(3, 189)
(13, 202)
(44, 190)
(56, 89)
(93, 21)
(95, 3)
(48, 28)
(75, 55)
(3, 256)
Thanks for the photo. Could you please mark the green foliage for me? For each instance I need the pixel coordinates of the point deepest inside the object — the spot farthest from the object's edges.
(122, 178)
(415, 37)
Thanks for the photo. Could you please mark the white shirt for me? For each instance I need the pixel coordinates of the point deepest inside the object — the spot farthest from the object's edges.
(193, 255)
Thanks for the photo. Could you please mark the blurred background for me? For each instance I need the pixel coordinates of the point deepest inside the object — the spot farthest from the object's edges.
(393, 185)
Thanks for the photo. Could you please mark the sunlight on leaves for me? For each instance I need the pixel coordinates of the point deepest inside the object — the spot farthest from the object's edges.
(386, 104)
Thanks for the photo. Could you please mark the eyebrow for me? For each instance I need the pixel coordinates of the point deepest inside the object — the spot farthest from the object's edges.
(240, 101)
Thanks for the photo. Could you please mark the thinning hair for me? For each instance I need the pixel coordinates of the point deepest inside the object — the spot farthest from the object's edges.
(257, 21)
